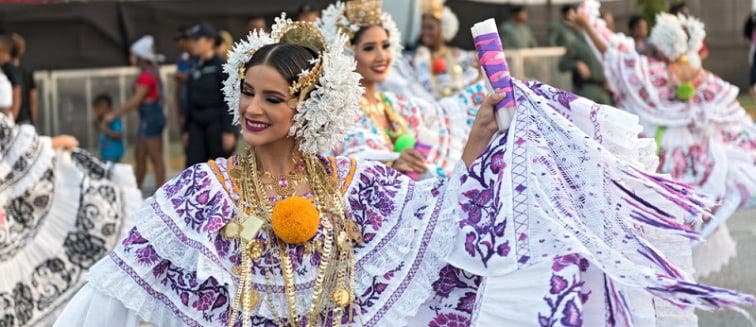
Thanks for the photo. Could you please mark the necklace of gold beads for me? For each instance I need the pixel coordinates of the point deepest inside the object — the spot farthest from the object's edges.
(333, 292)
(397, 125)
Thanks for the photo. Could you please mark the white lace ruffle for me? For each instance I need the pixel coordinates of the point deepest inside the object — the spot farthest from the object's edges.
(395, 252)
(39, 164)
(52, 230)
(110, 280)
(170, 246)
(616, 130)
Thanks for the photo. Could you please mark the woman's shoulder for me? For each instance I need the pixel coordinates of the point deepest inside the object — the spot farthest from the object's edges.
(204, 185)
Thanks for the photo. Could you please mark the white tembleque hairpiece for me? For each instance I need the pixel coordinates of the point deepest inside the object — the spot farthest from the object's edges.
(327, 105)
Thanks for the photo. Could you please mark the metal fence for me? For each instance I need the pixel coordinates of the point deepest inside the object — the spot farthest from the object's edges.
(66, 95)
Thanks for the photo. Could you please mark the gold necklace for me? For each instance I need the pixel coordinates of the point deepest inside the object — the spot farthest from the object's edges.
(397, 125)
(377, 108)
(285, 186)
(333, 292)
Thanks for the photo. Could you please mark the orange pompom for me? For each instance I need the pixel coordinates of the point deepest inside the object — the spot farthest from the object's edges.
(295, 220)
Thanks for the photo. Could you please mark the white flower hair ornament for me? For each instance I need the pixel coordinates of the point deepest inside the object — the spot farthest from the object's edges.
(447, 19)
(696, 32)
(449, 24)
(328, 92)
(669, 37)
(340, 18)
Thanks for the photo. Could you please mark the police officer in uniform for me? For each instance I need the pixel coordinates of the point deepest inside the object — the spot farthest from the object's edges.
(208, 129)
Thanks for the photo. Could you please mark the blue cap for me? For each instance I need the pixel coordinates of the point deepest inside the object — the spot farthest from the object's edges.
(202, 30)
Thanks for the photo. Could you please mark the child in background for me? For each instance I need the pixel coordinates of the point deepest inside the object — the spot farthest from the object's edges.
(110, 135)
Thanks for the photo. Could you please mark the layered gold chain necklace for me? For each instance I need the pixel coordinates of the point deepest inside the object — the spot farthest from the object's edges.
(333, 291)
(397, 125)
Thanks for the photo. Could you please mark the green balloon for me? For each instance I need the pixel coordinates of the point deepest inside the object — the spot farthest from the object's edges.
(403, 142)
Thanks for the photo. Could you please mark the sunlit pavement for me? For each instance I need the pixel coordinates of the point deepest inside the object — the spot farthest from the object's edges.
(739, 274)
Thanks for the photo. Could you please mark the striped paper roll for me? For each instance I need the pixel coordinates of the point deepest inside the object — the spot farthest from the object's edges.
(494, 63)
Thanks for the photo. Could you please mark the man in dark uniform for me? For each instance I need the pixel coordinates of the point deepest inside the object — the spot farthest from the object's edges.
(588, 78)
(10, 71)
(28, 111)
(208, 129)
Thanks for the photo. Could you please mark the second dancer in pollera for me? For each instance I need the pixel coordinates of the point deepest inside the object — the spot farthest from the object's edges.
(413, 135)
(704, 136)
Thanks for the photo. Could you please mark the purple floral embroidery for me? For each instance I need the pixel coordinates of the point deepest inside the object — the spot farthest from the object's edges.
(202, 208)
(483, 226)
(378, 286)
(565, 293)
(480, 210)
(161, 268)
(209, 296)
(571, 315)
(467, 302)
(175, 185)
(455, 291)
(558, 284)
(503, 249)
(561, 262)
(563, 97)
(480, 200)
(371, 200)
(555, 95)
(497, 163)
(147, 255)
(447, 281)
(222, 245)
(449, 320)
(133, 238)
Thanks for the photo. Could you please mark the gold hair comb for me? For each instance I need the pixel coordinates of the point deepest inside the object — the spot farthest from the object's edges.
(434, 8)
(364, 12)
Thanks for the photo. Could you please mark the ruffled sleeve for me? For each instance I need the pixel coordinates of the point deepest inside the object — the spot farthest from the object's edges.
(546, 202)
(406, 227)
(639, 83)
